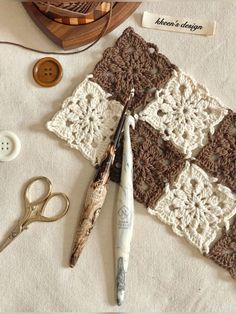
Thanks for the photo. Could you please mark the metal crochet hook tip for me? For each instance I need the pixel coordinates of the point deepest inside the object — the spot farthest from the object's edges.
(120, 297)
(119, 302)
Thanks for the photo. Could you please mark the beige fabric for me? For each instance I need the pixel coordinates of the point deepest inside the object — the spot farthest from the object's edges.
(165, 272)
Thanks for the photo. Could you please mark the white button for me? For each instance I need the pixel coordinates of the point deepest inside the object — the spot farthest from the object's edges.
(9, 146)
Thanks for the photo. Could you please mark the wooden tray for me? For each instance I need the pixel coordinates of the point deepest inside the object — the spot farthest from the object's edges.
(70, 36)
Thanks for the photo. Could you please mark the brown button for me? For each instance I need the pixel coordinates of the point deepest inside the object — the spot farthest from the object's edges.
(47, 72)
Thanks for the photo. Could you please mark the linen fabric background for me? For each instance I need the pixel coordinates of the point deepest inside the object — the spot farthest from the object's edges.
(165, 272)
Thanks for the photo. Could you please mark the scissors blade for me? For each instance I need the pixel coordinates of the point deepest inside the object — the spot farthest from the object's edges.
(11, 236)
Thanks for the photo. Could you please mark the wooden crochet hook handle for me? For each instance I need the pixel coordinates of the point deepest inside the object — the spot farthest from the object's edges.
(95, 198)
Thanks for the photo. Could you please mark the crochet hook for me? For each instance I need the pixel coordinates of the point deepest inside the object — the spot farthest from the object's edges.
(97, 190)
(125, 213)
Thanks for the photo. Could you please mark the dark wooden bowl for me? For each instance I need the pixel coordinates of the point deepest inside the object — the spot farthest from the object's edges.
(70, 36)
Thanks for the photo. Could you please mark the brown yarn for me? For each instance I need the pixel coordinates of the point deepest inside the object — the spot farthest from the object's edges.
(218, 158)
(156, 162)
(223, 251)
(132, 63)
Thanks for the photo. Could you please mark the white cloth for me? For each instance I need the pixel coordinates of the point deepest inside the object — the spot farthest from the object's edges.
(165, 273)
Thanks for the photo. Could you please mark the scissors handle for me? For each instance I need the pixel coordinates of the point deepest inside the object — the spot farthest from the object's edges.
(35, 209)
(58, 216)
(41, 199)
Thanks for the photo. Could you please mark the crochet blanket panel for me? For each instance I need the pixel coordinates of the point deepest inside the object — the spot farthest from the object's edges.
(184, 143)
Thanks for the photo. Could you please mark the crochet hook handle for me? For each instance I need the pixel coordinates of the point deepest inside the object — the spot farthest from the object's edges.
(95, 198)
(97, 192)
(125, 213)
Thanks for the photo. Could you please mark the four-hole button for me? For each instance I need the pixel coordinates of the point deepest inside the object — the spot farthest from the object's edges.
(9, 145)
(47, 72)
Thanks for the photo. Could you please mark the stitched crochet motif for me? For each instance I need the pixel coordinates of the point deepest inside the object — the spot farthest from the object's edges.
(87, 120)
(156, 163)
(184, 112)
(219, 156)
(223, 251)
(132, 63)
(195, 206)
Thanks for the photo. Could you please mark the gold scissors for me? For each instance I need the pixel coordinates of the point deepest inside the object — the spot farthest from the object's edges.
(34, 210)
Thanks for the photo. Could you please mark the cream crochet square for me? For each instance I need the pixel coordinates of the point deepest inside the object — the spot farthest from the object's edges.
(196, 207)
(87, 120)
(184, 113)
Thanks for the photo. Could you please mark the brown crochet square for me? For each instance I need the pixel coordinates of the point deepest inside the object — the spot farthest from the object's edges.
(218, 157)
(132, 63)
(156, 162)
(223, 252)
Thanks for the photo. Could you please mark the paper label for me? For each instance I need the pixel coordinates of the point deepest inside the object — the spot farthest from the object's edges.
(178, 24)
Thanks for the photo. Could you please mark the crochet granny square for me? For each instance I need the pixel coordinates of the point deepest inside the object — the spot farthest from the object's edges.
(184, 142)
